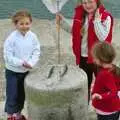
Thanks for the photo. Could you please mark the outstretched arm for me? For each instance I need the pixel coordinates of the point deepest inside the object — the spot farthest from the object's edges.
(65, 23)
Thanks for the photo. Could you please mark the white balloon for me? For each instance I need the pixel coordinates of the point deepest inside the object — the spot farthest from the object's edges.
(54, 6)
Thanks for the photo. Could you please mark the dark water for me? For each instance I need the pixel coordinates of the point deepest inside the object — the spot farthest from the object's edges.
(36, 7)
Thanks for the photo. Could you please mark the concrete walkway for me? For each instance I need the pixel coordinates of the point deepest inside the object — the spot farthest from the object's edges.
(91, 113)
(3, 114)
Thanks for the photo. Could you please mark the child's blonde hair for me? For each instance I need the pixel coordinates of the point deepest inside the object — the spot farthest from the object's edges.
(20, 15)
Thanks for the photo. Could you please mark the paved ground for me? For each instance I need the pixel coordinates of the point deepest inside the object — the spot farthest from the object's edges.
(3, 114)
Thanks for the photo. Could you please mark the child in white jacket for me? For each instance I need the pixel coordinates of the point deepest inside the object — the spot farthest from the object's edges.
(21, 53)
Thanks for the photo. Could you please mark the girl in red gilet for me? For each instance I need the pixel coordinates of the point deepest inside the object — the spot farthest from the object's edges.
(105, 91)
(91, 23)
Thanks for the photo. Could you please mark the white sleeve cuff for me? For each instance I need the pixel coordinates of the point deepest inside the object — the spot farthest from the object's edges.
(118, 94)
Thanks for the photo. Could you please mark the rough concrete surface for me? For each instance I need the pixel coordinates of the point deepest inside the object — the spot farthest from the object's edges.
(47, 35)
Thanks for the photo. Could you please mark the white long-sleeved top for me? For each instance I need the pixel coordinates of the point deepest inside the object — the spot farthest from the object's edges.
(19, 48)
(102, 30)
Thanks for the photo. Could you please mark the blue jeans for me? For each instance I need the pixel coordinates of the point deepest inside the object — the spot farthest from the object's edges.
(15, 93)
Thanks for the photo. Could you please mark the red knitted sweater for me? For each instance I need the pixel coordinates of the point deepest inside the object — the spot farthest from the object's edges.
(107, 85)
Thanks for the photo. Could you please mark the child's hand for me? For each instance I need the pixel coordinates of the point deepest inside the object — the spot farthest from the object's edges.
(96, 96)
(26, 65)
(59, 18)
(97, 15)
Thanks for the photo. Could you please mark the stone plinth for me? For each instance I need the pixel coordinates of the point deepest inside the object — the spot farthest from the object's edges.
(57, 93)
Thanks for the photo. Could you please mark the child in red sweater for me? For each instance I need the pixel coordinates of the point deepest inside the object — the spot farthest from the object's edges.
(105, 95)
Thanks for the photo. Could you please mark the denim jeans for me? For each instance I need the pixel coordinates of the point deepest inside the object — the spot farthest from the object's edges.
(15, 93)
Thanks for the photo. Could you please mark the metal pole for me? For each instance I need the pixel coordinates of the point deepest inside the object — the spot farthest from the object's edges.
(58, 33)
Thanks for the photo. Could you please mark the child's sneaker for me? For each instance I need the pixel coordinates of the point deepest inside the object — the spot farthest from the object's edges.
(11, 118)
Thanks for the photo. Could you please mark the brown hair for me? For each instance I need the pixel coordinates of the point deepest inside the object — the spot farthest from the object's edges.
(85, 14)
(105, 52)
(21, 14)
(99, 2)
